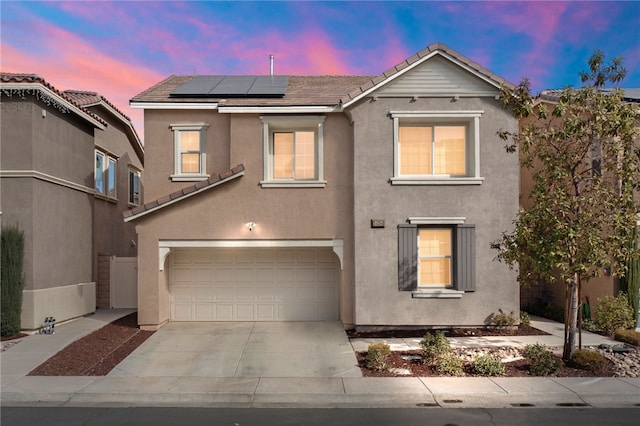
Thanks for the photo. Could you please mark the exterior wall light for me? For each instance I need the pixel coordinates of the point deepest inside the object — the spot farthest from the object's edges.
(250, 225)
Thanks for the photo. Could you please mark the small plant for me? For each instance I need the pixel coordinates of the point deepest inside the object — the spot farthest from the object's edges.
(488, 365)
(628, 336)
(541, 361)
(378, 356)
(525, 319)
(587, 360)
(502, 319)
(433, 346)
(449, 364)
(612, 313)
(589, 325)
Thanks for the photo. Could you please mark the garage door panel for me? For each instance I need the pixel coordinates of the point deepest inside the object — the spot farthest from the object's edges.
(270, 284)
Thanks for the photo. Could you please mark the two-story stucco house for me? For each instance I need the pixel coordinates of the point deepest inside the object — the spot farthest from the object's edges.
(70, 165)
(366, 199)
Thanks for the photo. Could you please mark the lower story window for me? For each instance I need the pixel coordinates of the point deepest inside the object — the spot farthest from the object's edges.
(436, 256)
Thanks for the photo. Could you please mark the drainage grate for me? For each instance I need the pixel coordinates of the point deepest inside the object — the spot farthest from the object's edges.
(572, 404)
(452, 401)
(427, 404)
(523, 404)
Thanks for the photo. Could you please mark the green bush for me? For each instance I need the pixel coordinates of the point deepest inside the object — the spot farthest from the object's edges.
(488, 365)
(12, 279)
(449, 364)
(377, 356)
(628, 336)
(612, 313)
(502, 319)
(587, 360)
(541, 361)
(433, 346)
(525, 319)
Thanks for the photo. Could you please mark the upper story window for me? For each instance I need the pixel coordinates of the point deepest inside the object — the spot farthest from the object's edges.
(105, 174)
(190, 162)
(293, 151)
(432, 148)
(134, 187)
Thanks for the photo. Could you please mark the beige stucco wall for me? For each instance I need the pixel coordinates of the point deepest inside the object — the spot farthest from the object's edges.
(491, 207)
(221, 213)
(50, 201)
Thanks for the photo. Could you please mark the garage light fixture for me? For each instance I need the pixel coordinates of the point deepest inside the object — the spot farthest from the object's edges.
(250, 225)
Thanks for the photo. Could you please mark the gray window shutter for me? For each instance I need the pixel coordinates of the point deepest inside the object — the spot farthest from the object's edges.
(407, 257)
(465, 279)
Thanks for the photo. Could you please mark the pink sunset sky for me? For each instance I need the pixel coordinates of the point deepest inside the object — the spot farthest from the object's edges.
(121, 48)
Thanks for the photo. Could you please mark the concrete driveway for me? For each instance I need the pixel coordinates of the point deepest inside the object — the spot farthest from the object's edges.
(243, 349)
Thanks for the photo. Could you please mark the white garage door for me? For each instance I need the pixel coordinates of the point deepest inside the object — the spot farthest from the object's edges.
(254, 284)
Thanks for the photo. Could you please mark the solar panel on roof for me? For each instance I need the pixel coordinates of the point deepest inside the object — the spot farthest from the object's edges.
(233, 86)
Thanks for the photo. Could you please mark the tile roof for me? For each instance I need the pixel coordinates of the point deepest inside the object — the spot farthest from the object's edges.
(6, 77)
(180, 195)
(88, 99)
(311, 90)
(302, 90)
(629, 94)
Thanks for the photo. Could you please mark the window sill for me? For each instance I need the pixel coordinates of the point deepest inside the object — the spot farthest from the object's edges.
(436, 293)
(294, 184)
(189, 178)
(436, 181)
(105, 198)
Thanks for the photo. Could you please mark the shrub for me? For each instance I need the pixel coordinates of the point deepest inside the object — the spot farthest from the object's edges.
(525, 318)
(449, 364)
(503, 320)
(627, 336)
(433, 346)
(377, 356)
(488, 365)
(12, 279)
(587, 360)
(541, 361)
(612, 313)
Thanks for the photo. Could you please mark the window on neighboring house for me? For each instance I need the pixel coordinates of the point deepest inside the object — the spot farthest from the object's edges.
(436, 148)
(436, 259)
(105, 174)
(190, 162)
(134, 187)
(293, 151)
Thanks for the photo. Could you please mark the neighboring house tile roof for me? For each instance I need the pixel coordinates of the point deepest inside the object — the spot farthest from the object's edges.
(89, 99)
(24, 78)
(553, 95)
(314, 90)
(180, 195)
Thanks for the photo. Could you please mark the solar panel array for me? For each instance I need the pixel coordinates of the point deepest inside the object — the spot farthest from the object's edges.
(219, 86)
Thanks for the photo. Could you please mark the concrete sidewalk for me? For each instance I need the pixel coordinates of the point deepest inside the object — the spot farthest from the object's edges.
(457, 392)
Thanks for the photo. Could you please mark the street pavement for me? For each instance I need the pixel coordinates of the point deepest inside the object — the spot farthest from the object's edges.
(268, 372)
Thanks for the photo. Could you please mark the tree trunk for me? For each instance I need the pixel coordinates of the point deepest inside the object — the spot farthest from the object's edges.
(572, 319)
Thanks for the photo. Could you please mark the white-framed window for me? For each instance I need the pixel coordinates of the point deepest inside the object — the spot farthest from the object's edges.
(190, 159)
(105, 174)
(293, 154)
(134, 187)
(435, 257)
(434, 148)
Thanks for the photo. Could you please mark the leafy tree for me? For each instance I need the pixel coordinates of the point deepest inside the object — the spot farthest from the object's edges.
(585, 167)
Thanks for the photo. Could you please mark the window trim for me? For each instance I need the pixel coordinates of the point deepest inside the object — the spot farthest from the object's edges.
(271, 125)
(107, 160)
(134, 171)
(178, 175)
(470, 118)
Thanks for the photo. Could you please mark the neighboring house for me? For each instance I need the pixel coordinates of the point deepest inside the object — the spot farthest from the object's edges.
(544, 293)
(50, 140)
(367, 199)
